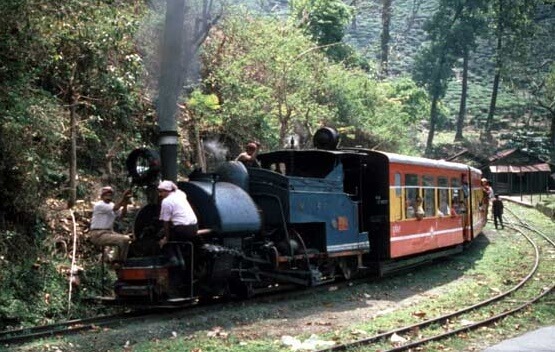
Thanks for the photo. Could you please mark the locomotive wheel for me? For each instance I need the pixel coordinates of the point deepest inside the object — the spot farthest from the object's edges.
(241, 290)
(348, 267)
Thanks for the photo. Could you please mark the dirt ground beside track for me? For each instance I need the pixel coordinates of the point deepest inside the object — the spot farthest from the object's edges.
(301, 316)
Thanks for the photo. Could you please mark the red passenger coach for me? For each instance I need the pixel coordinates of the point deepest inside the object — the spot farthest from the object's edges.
(433, 205)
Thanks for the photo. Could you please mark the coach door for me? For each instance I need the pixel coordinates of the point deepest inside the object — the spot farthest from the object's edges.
(466, 193)
(375, 177)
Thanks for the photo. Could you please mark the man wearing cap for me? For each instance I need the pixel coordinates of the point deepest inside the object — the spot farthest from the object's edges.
(178, 217)
(104, 214)
(248, 157)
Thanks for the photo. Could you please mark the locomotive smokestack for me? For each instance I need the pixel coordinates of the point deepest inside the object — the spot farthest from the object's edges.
(170, 83)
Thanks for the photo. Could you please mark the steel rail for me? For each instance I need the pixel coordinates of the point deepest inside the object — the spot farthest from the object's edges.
(70, 326)
(531, 228)
(367, 341)
(18, 336)
(77, 325)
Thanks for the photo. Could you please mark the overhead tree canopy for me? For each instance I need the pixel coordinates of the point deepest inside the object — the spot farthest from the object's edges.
(272, 81)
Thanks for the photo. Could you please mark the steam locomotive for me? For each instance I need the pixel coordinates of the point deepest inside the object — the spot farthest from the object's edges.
(304, 218)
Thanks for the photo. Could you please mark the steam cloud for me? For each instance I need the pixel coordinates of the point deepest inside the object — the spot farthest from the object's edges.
(215, 150)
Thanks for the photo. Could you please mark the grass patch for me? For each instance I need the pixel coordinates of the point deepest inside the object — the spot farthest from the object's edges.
(504, 254)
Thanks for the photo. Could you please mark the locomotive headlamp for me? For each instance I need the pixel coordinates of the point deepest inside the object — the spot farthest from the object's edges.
(326, 138)
(143, 166)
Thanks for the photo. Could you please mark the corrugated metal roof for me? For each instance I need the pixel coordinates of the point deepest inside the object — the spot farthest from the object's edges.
(514, 169)
(501, 154)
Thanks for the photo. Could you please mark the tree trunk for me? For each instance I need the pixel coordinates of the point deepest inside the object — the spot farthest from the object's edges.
(200, 159)
(497, 78)
(553, 129)
(354, 4)
(433, 119)
(73, 153)
(462, 107)
(385, 37)
(284, 121)
(492, 105)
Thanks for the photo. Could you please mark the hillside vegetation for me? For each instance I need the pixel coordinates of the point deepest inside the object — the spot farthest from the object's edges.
(79, 90)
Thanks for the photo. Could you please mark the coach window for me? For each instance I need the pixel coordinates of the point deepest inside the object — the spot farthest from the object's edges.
(429, 195)
(456, 195)
(411, 192)
(443, 196)
(397, 198)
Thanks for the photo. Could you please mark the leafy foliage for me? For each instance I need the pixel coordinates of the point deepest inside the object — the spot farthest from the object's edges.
(325, 21)
(51, 55)
(51, 52)
(272, 81)
(90, 57)
(452, 30)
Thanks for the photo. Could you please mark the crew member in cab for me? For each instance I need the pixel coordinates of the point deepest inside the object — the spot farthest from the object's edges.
(248, 157)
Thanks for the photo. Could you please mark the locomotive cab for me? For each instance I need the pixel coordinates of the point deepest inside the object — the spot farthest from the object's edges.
(317, 195)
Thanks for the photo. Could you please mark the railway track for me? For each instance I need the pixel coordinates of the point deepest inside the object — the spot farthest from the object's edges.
(462, 320)
(10, 337)
(19, 336)
(70, 327)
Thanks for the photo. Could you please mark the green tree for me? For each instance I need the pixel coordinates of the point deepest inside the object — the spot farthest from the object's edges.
(511, 23)
(543, 92)
(29, 124)
(385, 36)
(270, 81)
(263, 73)
(449, 39)
(325, 21)
(90, 63)
(472, 24)
(531, 70)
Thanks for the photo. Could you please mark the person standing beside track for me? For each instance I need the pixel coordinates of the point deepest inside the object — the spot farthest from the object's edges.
(179, 219)
(104, 214)
(497, 209)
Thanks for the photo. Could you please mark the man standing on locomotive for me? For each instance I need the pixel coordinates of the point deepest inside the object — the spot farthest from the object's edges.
(104, 214)
(487, 195)
(178, 217)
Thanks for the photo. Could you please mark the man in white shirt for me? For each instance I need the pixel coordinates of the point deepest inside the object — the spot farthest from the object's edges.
(104, 214)
(177, 215)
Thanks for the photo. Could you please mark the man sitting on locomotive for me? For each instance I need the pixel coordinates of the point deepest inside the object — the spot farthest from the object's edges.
(179, 219)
